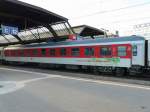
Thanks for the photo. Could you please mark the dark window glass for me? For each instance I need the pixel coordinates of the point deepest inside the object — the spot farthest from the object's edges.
(89, 51)
(21, 52)
(134, 50)
(105, 51)
(122, 51)
(75, 52)
(43, 51)
(28, 52)
(35, 52)
(52, 52)
(6, 53)
(0, 52)
(18, 53)
(13, 53)
(63, 52)
(10, 52)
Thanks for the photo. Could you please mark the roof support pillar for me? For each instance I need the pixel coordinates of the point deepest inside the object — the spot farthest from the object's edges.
(33, 34)
(71, 28)
(6, 38)
(51, 30)
(18, 38)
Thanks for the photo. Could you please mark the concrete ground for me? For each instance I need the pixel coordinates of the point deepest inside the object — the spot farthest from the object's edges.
(32, 91)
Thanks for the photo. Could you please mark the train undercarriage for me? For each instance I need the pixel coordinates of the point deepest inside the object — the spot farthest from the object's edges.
(97, 70)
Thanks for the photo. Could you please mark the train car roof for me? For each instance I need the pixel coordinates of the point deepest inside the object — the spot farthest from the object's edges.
(91, 41)
(100, 40)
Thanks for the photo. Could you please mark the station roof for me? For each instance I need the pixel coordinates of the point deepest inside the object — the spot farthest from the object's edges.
(35, 24)
(85, 30)
(17, 13)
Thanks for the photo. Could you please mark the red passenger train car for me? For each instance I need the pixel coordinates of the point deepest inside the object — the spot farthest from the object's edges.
(117, 55)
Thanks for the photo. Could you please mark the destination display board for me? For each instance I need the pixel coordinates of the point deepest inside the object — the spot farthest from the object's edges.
(9, 30)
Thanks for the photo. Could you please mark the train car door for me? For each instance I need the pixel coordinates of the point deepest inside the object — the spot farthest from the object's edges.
(138, 54)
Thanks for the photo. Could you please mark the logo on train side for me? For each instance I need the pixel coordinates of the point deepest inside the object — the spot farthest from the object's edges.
(114, 60)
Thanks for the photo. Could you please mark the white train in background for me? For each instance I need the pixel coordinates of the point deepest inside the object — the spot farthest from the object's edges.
(120, 55)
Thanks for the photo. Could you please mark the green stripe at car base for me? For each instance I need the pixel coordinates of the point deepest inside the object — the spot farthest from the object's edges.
(114, 60)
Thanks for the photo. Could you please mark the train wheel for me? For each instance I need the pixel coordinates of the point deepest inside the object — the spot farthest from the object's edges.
(120, 72)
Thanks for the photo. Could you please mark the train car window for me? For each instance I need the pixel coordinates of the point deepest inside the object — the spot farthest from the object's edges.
(105, 51)
(52, 52)
(75, 51)
(13, 53)
(43, 51)
(0, 52)
(122, 50)
(63, 52)
(28, 52)
(10, 52)
(35, 52)
(6, 53)
(134, 50)
(21, 52)
(89, 51)
(16, 53)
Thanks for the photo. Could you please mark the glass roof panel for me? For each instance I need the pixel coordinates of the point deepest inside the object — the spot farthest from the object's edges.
(44, 33)
(61, 29)
(26, 35)
(35, 34)
(11, 38)
(3, 40)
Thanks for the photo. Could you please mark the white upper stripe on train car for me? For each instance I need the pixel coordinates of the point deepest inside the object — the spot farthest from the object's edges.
(77, 45)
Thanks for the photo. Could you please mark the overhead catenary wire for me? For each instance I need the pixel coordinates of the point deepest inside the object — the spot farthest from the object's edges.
(113, 10)
(132, 19)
